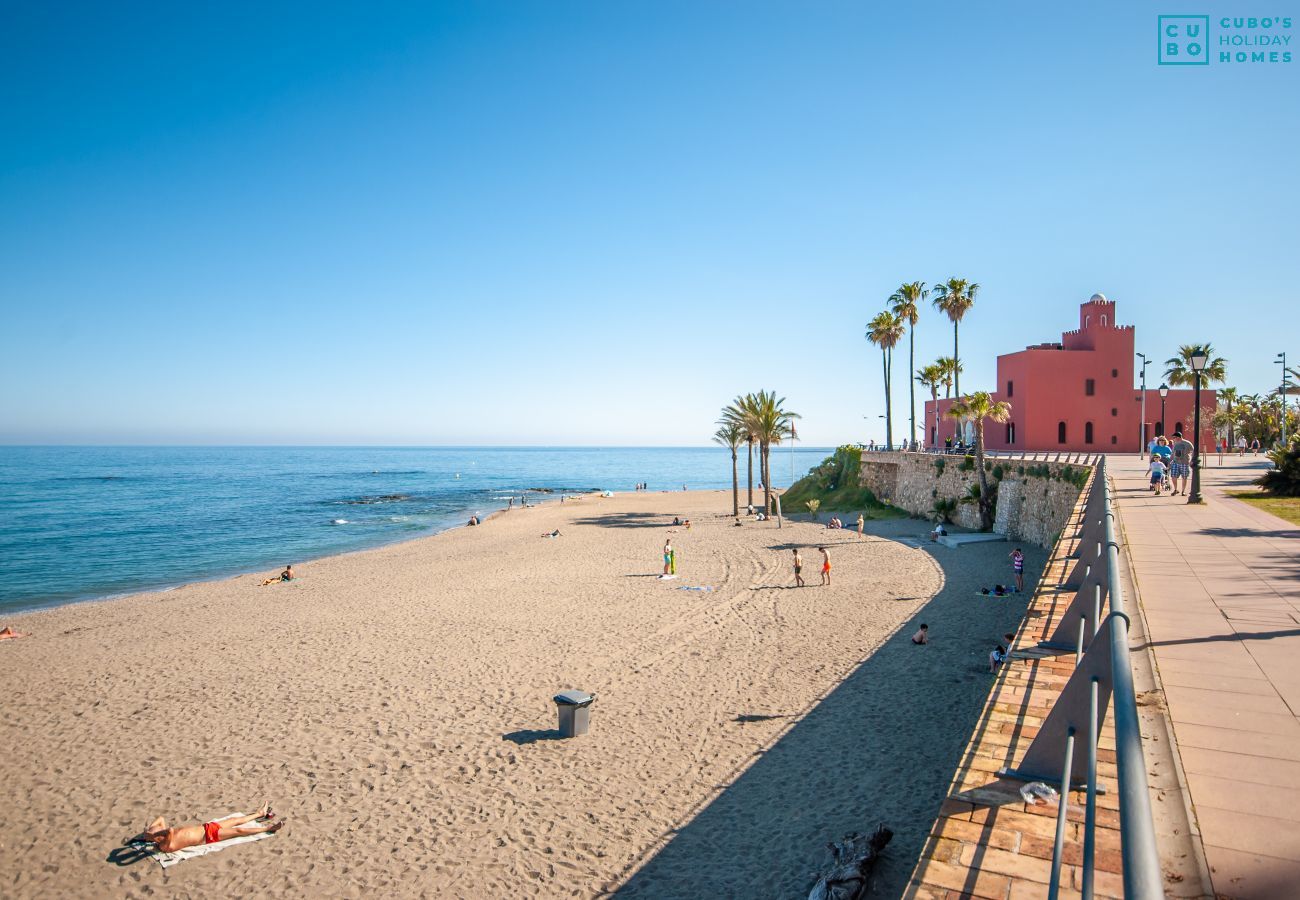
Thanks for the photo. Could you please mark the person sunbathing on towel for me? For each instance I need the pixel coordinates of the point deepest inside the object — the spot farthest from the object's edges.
(286, 575)
(8, 632)
(169, 840)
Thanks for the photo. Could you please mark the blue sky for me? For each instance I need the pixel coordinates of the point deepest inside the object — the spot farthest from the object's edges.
(595, 223)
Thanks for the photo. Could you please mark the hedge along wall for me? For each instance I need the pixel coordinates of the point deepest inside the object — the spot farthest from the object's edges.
(1034, 498)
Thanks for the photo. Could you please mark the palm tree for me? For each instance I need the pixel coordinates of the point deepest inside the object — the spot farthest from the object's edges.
(905, 301)
(1229, 418)
(769, 421)
(951, 368)
(731, 436)
(885, 331)
(1180, 374)
(955, 297)
(976, 408)
(931, 377)
(740, 414)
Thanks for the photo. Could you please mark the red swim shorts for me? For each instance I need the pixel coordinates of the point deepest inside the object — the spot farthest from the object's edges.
(211, 832)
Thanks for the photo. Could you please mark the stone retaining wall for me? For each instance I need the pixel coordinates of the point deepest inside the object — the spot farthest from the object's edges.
(1031, 507)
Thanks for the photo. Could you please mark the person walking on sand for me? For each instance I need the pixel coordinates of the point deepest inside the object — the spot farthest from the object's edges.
(668, 556)
(1018, 564)
(798, 568)
(169, 840)
(826, 566)
(861, 522)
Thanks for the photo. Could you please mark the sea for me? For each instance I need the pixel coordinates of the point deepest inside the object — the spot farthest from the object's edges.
(83, 523)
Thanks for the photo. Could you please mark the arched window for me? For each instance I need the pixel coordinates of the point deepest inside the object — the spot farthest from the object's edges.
(1160, 428)
(1103, 320)
(1087, 320)
(1060, 432)
(1087, 432)
(1178, 428)
(1011, 432)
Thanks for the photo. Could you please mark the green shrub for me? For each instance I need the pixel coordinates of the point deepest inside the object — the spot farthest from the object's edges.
(1283, 480)
(943, 510)
(939, 464)
(967, 464)
(998, 472)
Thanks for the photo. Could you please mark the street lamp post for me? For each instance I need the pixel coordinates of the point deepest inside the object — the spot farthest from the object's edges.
(1198, 360)
(1142, 427)
(1164, 392)
(1281, 357)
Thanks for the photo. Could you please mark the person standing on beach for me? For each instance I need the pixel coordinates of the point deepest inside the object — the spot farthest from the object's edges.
(798, 567)
(668, 556)
(826, 566)
(861, 522)
(1018, 564)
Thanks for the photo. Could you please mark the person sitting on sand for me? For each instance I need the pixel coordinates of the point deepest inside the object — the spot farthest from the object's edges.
(473, 520)
(687, 523)
(7, 632)
(676, 520)
(922, 635)
(555, 533)
(737, 521)
(286, 575)
(169, 840)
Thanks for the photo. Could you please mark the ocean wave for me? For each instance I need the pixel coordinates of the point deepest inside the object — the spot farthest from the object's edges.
(339, 522)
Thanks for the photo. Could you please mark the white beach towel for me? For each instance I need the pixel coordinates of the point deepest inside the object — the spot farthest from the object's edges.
(167, 860)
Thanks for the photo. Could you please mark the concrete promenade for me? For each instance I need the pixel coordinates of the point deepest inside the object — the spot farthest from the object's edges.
(1219, 590)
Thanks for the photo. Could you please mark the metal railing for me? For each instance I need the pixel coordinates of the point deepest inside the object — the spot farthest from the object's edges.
(1102, 672)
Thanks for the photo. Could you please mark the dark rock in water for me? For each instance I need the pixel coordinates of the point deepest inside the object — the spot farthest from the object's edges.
(382, 498)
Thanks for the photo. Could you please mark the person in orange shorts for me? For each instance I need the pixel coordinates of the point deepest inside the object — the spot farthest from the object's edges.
(826, 566)
(169, 840)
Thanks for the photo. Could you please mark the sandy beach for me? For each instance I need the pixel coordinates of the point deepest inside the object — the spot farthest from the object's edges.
(395, 705)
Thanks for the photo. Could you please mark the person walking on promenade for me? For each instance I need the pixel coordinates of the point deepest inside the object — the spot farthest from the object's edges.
(826, 566)
(798, 568)
(1181, 467)
(1018, 564)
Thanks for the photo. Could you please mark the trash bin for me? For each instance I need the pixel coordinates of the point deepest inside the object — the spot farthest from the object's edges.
(574, 708)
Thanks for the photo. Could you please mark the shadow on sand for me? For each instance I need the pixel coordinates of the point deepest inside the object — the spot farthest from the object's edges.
(627, 520)
(861, 756)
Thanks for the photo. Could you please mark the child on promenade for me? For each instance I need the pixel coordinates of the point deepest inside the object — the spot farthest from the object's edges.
(1157, 472)
(1018, 564)
(826, 566)
(798, 567)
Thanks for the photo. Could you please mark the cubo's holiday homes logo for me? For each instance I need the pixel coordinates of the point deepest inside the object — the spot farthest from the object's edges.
(1186, 40)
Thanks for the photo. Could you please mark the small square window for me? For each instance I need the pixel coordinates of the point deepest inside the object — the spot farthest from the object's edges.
(1090, 387)
(1114, 373)
(1011, 388)
(1113, 439)
(1114, 411)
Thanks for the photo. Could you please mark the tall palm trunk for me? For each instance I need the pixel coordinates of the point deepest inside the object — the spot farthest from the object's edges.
(986, 501)
(750, 444)
(735, 485)
(911, 382)
(934, 396)
(884, 366)
(764, 472)
(956, 369)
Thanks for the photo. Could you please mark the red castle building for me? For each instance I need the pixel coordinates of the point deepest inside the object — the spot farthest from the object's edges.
(1079, 394)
